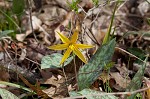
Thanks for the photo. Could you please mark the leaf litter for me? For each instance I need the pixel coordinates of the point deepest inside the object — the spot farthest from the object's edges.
(24, 55)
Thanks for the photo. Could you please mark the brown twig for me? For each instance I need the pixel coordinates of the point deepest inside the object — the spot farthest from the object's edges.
(30, 17)
(129, 53)
(75, 70)
(26, 58)
(94, 40)
(65, 76)
(113, 93)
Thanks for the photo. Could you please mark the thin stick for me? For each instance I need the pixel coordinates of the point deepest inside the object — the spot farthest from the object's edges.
(96, 42)
(27, 58)
(113, 93)
(129, 54)
(65, 76)
(82, 9)
(94, 37)
(75, 70)
(8, 54)
(30, 17)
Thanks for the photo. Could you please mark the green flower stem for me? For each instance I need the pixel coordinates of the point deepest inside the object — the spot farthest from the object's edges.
(107, 36)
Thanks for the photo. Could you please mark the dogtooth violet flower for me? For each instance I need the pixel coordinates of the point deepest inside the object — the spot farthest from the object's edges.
(71, 46)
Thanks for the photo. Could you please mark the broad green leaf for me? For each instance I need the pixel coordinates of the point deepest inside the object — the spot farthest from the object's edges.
(74, 93)
(18, 6)
(5, 94)
(53, 61)
(94, 94)
(91, 71)
(136, 82)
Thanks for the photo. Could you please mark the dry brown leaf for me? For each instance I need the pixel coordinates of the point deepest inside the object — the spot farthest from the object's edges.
(23, 54)
(4, 4)
(148, 85)
(50, 91)
(4, 74)
(46, 74)
(52, 15)
(121, 81)
(123, 71)
(54, 81)
(64, 23)
(36, 23)
(59, 89)
(20, 37)
(3, 46)
(143, 7)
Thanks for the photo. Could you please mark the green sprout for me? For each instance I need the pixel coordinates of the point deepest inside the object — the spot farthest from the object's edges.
(74, 5)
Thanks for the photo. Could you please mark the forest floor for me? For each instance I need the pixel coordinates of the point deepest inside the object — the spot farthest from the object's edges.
(118, 69)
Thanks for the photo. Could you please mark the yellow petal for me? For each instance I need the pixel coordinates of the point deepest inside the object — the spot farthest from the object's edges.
(83, 46)
(74, 36)
(63, 38)
(59, 47)
(79, 54)
(66, 55)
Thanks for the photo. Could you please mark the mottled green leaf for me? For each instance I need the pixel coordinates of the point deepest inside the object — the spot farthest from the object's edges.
(136, 82)
(92, 94)
(91, 71)
(74, 93)
(5, 94)
(53, 61)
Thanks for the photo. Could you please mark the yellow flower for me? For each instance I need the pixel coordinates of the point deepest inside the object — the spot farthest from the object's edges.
(70, 45)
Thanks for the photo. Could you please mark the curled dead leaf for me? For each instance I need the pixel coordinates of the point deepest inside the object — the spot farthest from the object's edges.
(120, 80)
